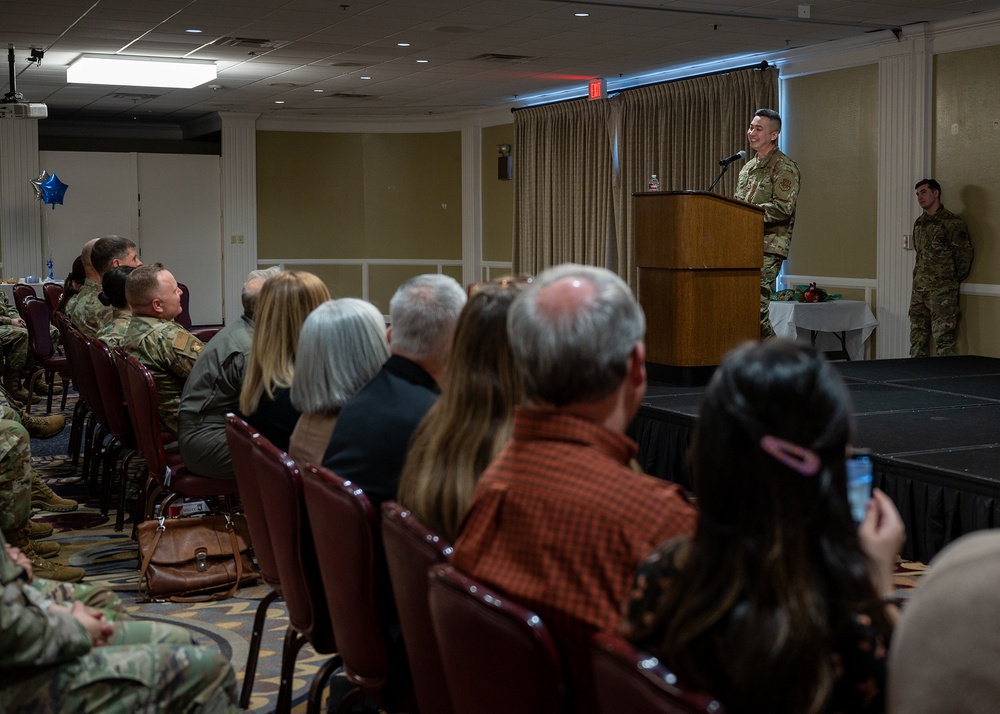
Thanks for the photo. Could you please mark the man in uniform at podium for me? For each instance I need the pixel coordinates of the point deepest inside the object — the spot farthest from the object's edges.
(770, 181)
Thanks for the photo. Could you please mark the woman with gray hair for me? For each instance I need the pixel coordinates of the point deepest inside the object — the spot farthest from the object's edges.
(342, 345)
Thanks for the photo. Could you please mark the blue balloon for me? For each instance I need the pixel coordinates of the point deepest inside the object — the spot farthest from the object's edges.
(53, 190)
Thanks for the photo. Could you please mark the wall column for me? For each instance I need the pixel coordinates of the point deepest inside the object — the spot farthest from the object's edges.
(239, 206)
(20, 218)
(905, 106)
(472, 204)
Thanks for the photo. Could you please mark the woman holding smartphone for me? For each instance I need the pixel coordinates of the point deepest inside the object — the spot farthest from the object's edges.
(777, 603)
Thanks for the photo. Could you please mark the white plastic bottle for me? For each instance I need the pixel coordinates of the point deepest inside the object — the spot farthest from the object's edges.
(654, 183)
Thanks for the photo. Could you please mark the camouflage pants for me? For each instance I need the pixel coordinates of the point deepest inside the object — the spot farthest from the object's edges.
(146, 667)
(15, 473)
(934, 314)
(768, 275)
(94, 596)
(15, 349)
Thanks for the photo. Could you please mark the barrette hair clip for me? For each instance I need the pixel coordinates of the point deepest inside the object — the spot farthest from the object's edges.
(798, 458)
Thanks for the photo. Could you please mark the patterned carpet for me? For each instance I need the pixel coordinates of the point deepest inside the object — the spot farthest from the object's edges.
(89, 541)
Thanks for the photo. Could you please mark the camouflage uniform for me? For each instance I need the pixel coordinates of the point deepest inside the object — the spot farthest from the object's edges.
(772, 183)
(48, 663)
(944, 259)
(169, 351)
(112, 333)
(87, 313)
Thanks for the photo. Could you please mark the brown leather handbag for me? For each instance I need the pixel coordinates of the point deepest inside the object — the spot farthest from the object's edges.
(194, 559)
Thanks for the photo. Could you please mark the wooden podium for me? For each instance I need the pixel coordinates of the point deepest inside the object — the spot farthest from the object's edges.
(699, 257)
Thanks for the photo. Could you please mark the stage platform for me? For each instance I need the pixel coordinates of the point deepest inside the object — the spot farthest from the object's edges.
(933, 424)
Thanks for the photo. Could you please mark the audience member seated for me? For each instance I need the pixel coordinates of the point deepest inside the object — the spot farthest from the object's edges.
(164, 347)
(284, 303)
(84, 309)
(74, 283)
(372, 434)
(472, 419)
(775, 604)
(559, 521)
(113, 295)
(57, 653)
(341, 347)
(942, 654)
(212, 390)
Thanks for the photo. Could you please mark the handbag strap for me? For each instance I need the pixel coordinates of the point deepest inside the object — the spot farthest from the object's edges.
(234, 544)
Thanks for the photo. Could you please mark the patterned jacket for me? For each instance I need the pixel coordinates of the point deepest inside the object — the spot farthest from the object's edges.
(87, 313)
(169, 352)
(944, 249)
(772, 183)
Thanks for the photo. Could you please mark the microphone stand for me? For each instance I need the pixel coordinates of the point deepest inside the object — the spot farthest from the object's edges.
(721, 174)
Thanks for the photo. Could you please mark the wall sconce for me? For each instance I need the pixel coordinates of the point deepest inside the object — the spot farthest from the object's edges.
(505, 163)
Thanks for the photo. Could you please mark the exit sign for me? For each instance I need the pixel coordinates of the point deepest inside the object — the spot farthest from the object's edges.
(597, 89)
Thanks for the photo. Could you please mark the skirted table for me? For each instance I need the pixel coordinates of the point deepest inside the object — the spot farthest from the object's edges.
(841, 326)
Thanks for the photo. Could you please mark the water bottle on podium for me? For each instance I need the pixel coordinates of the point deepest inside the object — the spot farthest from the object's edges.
(654, 183)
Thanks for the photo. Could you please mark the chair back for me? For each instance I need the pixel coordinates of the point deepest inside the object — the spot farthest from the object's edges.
(22, 292)
(626, 679)
(38, 319)
(295, 553)
(352, 565)
(110, 391)
(498, 656)
(411, 549)
(82, 368)
(142, 405)
(241, 438)
(52, 292)
(184, 319)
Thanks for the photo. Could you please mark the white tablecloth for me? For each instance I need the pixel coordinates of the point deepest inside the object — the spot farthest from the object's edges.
(827, 322)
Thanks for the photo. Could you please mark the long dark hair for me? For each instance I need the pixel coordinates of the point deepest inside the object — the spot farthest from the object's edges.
(774, 574)
(76, 277)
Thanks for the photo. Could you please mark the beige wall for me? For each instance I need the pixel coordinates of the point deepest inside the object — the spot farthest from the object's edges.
(830, 130)
(374, 196)
(498, 196)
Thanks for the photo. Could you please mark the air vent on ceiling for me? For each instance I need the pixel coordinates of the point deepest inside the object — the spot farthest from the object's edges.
(498, 57)
(250, 42)
(347, 64)
(350, 95)
(134, 97)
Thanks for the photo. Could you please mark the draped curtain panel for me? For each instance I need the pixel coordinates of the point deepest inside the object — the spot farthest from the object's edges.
(578, 163)
(679, 131)
(563, 194)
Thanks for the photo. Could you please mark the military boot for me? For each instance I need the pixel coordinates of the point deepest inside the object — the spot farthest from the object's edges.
(43, 427)
(38, 530)
(48, 500)
(42, 388)
(19, 393)
(42, 568)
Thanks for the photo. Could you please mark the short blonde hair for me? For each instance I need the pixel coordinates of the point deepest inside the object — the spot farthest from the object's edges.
(283, 305)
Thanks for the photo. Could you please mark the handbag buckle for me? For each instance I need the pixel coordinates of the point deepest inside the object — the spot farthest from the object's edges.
(162, 527)
(201, 560)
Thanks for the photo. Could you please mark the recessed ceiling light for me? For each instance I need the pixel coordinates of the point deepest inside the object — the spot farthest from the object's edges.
(279, 101)
(366, 77)
(318, 90)
(193, 31)
(402, 44)
(422, 61)
(582, 14)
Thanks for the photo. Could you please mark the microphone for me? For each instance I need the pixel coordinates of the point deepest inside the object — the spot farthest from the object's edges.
(735, 157)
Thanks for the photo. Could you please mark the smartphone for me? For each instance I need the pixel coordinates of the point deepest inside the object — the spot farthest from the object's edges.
(860, 474)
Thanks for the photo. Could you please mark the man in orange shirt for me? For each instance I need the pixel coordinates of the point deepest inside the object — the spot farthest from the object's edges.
(559, 520)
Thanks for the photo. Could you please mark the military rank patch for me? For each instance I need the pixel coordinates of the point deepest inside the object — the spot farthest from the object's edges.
(181, 340)
(785, 184)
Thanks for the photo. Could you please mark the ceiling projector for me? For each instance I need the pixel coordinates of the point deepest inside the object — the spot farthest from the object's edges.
(23, 110)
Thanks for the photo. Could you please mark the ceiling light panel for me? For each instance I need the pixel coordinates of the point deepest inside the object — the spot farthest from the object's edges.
(132, 71)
